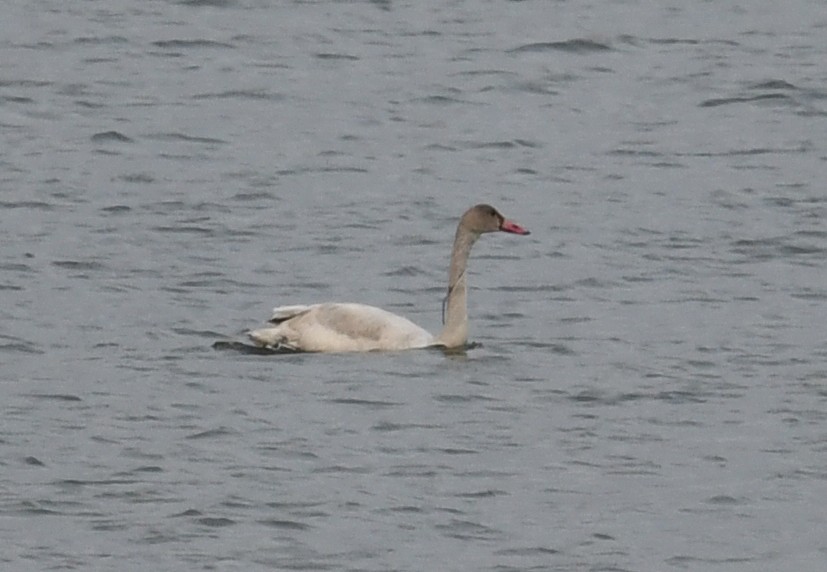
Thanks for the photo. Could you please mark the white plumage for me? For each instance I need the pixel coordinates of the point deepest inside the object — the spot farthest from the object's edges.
(337, 327)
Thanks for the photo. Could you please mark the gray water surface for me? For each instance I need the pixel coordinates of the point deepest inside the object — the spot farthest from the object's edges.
(650, 392)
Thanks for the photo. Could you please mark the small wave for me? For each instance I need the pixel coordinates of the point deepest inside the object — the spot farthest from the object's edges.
(389, 426)
(95, 40)
(456, 451)
(37, 205)
(773, 84)
(78, 264)
(755, 250)
(439, 100)
(207, 3)
(575, 46)
(212, 433)
(332, 56)
(717, 102)
(16, 99)
(20, 347)
(31, 509)
(306, 170)
(105, 136)
(332, 469)
(725, 500)
(371, 404)
(24, 83)
(216, 522)
(55, 396)
(186, 138)
(284, 524)
(507, 144)
(528, 551)
(535, 87)
(116, 209)
(404, 271)
(468, 530)
(487, 493)
(191, 44)
(259, 94)
(184, 229)
(627, 152)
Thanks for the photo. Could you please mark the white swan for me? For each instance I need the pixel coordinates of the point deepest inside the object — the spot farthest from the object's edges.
(337, 327)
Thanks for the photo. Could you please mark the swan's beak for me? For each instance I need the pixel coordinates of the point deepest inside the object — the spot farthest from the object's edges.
(513, 227)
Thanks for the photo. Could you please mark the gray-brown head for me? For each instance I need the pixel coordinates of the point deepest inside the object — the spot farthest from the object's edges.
(485, 218)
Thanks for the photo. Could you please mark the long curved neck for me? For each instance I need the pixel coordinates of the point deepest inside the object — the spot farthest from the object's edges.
(455, 332)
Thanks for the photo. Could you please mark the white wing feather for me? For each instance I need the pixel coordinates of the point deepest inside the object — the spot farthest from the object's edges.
(340, 328)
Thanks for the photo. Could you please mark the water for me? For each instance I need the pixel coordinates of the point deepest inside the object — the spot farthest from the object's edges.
(649, 393)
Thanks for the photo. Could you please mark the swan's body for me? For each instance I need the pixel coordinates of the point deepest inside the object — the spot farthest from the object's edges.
(337, 327)
(333, 327)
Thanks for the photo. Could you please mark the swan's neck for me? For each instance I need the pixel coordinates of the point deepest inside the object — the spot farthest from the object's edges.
(455, 332)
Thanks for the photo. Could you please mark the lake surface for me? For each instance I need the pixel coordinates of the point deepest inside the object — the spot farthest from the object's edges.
(650, 386)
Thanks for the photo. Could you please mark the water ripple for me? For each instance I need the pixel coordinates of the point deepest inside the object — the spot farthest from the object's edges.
(650, 391)
(574, 46)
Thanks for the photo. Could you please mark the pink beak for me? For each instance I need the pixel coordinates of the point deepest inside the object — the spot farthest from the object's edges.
(513, 227)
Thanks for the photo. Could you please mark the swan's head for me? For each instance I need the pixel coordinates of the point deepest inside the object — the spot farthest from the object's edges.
(485, 218)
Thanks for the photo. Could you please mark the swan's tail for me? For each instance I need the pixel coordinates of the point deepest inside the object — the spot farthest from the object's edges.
(242, 348)
(275, 337)
(272, 338)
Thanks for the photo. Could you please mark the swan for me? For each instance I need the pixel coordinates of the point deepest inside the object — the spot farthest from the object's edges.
(350, 327)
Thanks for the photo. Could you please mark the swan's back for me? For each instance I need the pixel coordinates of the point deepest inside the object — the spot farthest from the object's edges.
(335, 327)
